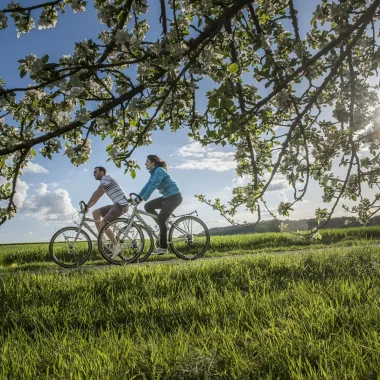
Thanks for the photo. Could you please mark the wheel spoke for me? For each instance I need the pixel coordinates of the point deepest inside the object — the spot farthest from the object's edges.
(70, 249)
(129, 238)
(189, 238)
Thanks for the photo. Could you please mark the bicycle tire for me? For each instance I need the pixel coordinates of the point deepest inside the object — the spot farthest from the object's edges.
(189, 239)
(54, 254)
(145, 255)
(121, 259)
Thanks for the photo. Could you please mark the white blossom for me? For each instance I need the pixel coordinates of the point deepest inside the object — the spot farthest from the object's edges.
(75, 80)
(299, 49)
(105, 14)
(78, 5)
(282, 97)
(113, 152)
(82, 50)
(48, 18)
(265, 42)
(83, 115)
(3, 20)
(36, 66)
(66, 59)
(139, 6)
(122, 37)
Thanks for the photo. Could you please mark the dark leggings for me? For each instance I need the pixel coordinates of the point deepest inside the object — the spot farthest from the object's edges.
(167, 206)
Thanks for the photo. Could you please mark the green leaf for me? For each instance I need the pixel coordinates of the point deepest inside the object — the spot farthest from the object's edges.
(233, 67)
(133, 173)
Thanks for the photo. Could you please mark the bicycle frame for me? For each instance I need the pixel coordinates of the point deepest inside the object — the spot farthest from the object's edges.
(84, 224)
(136, 215)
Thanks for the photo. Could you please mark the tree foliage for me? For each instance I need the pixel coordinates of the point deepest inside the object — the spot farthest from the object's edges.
(291, 104)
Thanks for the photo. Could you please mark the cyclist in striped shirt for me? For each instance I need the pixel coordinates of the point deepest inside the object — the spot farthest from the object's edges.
(109, 213)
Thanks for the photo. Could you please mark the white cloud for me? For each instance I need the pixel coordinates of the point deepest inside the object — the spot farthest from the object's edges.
(264, 211)
(214, 164)
(85, 169)
(48, 205)
(278, 185)
(21, 191)
(282, 197)
(31, 167)
(194, 149)
(241, 181)
(204, 158)
(30, 233)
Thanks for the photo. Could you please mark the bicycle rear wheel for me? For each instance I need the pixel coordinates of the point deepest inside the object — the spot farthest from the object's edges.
(70, 249)
(131, 241)
(189, 238)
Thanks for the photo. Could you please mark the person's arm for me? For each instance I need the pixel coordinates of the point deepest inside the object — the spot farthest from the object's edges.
(144, 188)
(95, 197)
(158, 175)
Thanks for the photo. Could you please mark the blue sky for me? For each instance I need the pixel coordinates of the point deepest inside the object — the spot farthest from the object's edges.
(50, 190)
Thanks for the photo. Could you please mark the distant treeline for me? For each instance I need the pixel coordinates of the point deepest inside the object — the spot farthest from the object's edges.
(293, 225)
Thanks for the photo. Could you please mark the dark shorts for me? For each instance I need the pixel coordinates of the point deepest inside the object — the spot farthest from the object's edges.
(112, 212)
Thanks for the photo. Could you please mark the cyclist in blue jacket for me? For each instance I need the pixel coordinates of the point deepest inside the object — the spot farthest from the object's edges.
(170, 200)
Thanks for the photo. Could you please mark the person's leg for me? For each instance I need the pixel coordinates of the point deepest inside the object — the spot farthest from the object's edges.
(115, 211)
(100, 213)
(169, 205)
(154, 205)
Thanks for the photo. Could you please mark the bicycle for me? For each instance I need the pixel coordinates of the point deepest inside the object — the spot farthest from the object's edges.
(70, 247)
(189, 237)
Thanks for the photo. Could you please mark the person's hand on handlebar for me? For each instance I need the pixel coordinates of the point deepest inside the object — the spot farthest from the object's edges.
(135, 198)
(84, 207)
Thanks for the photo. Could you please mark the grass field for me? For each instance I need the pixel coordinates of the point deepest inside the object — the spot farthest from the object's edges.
(34, 256)
(313, 315)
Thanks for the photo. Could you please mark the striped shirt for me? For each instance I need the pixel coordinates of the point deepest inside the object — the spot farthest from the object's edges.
(113, 190)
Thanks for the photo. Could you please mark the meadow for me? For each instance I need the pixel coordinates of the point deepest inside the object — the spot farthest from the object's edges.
(253, 314)
(16, 257)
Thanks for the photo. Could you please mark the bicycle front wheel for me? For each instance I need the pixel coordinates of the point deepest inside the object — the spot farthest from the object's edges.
(189, 238)
(130, 240)
(148, 245)
(70, 247)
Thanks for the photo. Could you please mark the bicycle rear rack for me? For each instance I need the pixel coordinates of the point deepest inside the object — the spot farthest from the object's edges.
(190, 213)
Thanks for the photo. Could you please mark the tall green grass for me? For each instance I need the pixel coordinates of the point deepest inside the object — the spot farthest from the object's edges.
(29, 255)
(306, 316)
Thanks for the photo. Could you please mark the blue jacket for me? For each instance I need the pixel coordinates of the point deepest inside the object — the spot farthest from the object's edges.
(161, 181)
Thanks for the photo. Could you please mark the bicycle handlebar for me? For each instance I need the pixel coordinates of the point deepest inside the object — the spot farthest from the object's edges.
(138, 196)
(83, 206)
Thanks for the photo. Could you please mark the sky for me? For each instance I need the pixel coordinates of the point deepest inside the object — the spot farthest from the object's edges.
(49, 191)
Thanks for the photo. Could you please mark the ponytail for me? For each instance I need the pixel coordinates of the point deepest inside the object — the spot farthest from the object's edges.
(157, 160)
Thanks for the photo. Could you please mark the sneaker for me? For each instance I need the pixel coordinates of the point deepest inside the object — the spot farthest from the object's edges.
(160, 251)
(116, 251)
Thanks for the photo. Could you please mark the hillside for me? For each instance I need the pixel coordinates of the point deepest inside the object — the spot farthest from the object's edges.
(293, 225)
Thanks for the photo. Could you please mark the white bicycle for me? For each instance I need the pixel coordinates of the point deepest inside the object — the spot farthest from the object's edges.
(188, 238)
(71, 246)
